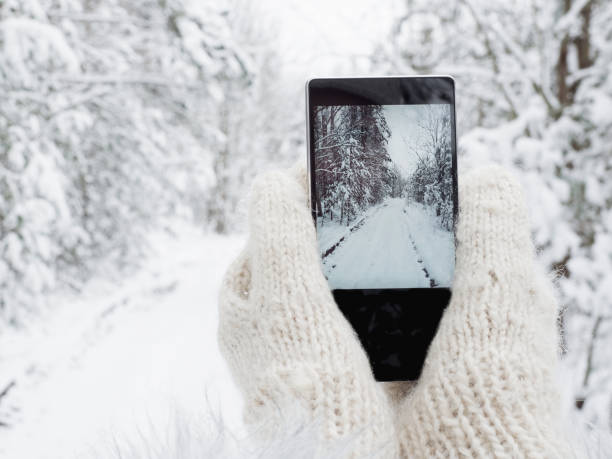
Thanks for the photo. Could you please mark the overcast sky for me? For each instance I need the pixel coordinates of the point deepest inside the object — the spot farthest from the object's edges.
(323, 37)
(406, 135)
(402, 120)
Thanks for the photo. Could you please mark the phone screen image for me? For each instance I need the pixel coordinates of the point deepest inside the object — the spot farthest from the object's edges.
(384, 195)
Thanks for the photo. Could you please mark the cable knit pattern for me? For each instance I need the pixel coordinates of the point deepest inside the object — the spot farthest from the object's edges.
(285, 340)
(487, 388)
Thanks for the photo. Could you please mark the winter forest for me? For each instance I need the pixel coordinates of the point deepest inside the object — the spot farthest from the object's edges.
(130, 132)
(384, 200)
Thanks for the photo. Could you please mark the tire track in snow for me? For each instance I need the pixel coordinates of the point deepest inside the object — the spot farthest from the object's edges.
(354, 228)
(432, 281)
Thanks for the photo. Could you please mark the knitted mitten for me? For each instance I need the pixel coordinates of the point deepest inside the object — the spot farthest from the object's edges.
(288, 346)
(488, 384)
(487, 387)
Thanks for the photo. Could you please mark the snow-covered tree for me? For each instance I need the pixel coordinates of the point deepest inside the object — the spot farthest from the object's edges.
(258, 122)
(431, 183)
(112, 120)
(534, 93)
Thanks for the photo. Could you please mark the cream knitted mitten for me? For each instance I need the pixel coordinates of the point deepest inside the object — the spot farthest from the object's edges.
(487, 387)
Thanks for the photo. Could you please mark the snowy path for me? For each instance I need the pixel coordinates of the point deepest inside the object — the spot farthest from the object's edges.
(393, 246)
(121, 362)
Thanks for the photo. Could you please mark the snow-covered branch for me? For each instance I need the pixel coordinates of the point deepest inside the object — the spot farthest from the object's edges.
(327, 147)
(99, 18)
(145, 80)
(83, 99)
(565, 23)
(517, 53)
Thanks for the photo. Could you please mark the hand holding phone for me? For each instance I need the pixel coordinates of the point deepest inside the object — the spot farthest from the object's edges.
(383, 188)
(488, 386)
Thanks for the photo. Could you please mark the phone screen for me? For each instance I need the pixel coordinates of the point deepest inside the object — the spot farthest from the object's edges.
(384, 195)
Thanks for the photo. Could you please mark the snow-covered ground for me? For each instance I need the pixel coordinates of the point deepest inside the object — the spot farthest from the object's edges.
(394, 245)
(131, 370)
(120, 363)
(435, 245)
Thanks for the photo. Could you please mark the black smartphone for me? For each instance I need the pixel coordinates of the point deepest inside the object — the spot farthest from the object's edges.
(383, 190)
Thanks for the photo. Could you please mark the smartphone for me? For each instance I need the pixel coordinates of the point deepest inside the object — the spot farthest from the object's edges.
(383, 192)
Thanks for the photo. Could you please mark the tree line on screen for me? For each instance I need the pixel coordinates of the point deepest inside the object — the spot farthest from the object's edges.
(432, 181)
(352, 165)
(354, 169)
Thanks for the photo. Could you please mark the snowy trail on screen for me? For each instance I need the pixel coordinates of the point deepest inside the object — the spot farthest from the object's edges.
(396, 245)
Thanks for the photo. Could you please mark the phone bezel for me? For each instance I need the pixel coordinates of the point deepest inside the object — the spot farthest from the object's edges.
(401, 321)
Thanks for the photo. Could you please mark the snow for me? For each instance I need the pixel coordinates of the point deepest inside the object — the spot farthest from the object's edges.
(120, 360)
(436, 246)
(82, 91)
(600, 108)
(333, 231)
(394, 245)
(21, 34)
